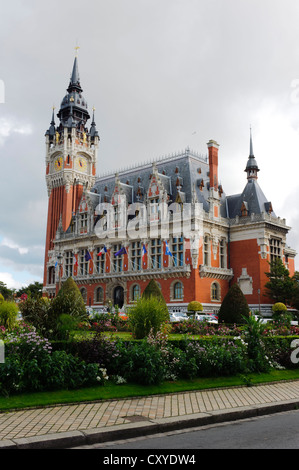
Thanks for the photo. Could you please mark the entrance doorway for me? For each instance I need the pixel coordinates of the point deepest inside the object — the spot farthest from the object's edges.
(118, 297)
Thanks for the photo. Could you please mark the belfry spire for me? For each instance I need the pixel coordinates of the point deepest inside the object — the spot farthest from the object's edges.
(251, 167)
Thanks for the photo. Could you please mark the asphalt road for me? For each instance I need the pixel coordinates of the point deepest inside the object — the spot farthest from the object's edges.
(277, 431)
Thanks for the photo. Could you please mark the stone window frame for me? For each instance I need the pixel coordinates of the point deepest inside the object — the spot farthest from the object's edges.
(99, 299)
(83, 292)
(206, 246)
(173, 291)
(216, 298)
(133, 286)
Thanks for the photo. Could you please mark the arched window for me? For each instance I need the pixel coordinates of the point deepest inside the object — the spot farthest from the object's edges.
(99, 295)
(178, 291)
(84, 293)
(135, 292)
(215, 291)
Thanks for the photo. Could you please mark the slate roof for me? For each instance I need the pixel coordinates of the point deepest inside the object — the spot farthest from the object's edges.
(253, 196)
(187, 170)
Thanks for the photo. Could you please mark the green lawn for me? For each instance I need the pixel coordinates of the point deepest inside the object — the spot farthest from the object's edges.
(111, 391)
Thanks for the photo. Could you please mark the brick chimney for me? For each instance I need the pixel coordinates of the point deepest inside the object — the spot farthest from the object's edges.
(213, 163)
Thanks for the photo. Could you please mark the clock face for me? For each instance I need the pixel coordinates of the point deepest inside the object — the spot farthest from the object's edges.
(81, 164)
(58, 163)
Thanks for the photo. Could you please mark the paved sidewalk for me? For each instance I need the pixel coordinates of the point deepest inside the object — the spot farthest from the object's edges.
(67, 426)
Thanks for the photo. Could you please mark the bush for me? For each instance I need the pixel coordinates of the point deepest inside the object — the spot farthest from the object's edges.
(153, 290)
(280, 314)
(36, 312)
(8, 314)
(141, 363)
(68, 301)
(30, 366)
(234, 307)
(146, 315)
(257, 358)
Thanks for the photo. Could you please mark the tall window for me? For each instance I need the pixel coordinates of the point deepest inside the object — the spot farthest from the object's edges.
(178, 251)
(83, 222)
(117, 260)
(156, 253)
(215, 291)
(222, 253)
(206, 250)
(83, 264)
(84, 293)
(178, 291)
(99, 295)
(116, 216)
(154, 206)
(275, 249)
(100, 262)
(136, 292)
(51, 275)
(68, 263)
(136, 256)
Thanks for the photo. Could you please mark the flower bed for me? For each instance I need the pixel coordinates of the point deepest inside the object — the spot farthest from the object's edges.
(32, 363)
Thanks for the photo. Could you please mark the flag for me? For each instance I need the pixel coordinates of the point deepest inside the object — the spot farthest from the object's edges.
(167, 252)
(56, 264)
(122, 251)
(87, 256)
(143, 252)
(75, 260)
(103, 250)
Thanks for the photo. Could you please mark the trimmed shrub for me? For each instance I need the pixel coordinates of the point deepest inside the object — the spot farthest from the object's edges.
(8, 314)
(280, 314)
(153, 290)
(194, 307)
(234, 307)
(146, 315)
(68, 301)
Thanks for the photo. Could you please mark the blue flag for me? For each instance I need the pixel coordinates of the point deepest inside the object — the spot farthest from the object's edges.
(167, 252)
(122, 251)
(87, 256)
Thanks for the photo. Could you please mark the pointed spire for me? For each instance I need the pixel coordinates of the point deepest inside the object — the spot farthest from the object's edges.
(75, 73)
(251, 154)
(251, 167)
(75, 78)
(93, 130)
(51, 130)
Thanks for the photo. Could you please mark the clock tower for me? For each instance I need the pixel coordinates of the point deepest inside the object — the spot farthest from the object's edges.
(71, 157)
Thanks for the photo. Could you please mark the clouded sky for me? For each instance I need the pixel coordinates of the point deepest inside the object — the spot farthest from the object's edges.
(162, 75)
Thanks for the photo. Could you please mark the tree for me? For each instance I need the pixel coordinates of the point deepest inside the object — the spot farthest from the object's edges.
(234, 307)
(5, 291)
(194, 307)
(32, 290)
(295, 297)
(280, 286)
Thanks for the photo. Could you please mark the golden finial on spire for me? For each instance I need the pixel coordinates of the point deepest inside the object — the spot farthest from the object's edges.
(76, 49)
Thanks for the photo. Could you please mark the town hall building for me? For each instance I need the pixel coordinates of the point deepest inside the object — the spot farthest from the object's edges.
(169, 220)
